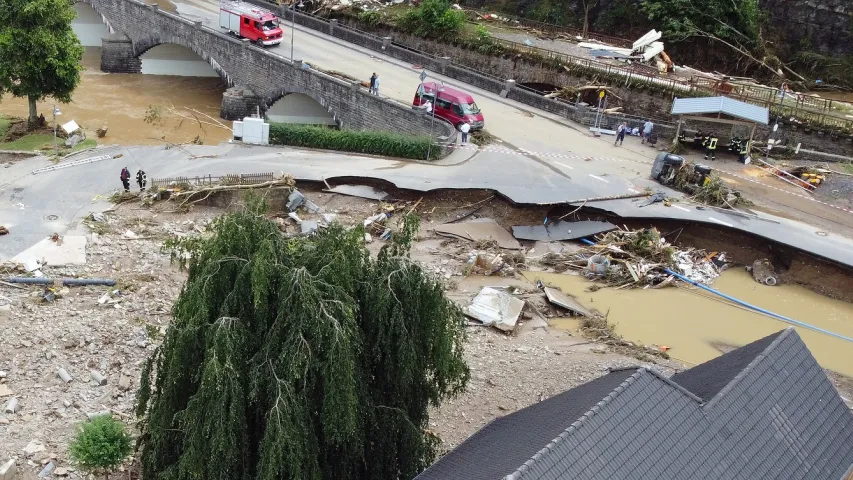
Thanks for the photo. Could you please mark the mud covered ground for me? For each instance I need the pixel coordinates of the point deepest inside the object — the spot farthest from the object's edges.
(113, 329)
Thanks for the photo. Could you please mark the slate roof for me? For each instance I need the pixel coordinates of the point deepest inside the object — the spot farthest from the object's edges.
(509, 441)
(763, 411)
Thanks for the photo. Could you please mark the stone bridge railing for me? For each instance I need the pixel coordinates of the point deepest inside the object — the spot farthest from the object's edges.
(258, 78)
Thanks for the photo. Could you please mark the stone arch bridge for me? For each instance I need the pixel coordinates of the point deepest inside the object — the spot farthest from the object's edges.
(256, 78)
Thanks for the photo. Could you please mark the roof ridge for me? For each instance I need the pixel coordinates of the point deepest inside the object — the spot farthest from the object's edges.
(750, 366)
(577, 423)
(678, 387)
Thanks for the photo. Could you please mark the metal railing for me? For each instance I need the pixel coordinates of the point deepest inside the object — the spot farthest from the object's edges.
(228, 179)
(570, 31)
(812, 110)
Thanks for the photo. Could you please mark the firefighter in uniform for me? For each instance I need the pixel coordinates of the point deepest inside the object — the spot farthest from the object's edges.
(711, 147)
(744, 151)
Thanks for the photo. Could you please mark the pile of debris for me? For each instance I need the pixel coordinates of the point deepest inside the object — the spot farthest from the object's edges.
(637, 258)
(503, 308)
(647, 50)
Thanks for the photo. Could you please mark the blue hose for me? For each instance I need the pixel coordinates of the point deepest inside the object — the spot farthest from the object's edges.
(587, 241)
(757, 309)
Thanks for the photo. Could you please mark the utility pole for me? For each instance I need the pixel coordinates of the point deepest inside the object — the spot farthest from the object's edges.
(292, 27)
(781, 95)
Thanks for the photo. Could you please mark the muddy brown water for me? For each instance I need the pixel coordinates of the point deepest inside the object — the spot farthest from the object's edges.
(691, 321)
(120, 101)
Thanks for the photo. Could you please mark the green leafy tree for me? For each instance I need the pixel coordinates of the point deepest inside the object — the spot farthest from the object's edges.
(434, 19)
(101, 445)
(39, 53)
(298, 358)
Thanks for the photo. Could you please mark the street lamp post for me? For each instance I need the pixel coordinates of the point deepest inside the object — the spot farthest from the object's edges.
(432, 121)
(55, 113)
(293, 25)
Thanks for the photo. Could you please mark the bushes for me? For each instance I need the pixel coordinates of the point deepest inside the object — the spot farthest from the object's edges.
(374, 143)
(434, 19)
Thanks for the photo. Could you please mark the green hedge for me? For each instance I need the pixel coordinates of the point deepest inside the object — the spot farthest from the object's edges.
(374, 143)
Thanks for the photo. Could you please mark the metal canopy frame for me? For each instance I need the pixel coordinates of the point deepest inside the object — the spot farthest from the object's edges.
(697, 116)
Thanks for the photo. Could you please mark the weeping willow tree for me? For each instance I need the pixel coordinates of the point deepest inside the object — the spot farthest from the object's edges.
(298, 358)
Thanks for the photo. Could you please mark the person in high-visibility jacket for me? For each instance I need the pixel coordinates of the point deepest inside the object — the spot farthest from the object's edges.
(711, 147)
(744, 151)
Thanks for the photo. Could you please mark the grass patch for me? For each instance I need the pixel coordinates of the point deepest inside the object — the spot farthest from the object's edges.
(29, 142)
(374, 143)
(4, 125)
(847, 167)
(42, 141)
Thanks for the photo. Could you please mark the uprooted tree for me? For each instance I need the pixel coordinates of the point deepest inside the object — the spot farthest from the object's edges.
(298, 358)
(736, 24)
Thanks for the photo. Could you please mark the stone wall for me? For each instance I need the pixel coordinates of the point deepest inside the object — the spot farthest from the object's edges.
(240, 64)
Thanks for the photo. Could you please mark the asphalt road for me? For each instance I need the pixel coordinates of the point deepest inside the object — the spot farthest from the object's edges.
(34, 206)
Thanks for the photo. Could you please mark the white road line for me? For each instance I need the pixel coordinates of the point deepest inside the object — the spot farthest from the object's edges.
(680, 207)
(564, 165)
(633, 191)
(599, 178)
(720, 222)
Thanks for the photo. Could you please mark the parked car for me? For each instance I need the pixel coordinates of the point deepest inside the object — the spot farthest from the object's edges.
(455, 106)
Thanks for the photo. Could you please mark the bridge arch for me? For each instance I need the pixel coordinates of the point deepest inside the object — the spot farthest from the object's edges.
(272, 97)
(144, 44)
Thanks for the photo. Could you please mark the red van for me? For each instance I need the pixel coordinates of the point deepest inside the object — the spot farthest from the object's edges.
(455, 106)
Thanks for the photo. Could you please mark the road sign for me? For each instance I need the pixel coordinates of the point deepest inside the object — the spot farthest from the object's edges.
(423, 75)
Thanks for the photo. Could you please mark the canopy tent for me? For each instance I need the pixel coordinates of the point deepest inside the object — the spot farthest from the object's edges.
(719, 110)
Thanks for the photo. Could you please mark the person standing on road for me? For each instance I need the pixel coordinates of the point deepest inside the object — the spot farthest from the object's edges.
(141, 179)
(372, 82)
(465, 128)
(375, 84)
(125, 179)
(620, 133)
(647, 130)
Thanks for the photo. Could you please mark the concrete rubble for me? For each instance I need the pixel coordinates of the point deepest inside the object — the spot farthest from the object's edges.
(101, 335)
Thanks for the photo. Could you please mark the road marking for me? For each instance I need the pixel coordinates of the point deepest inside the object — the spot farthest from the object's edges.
(720, 222)
(681, 208)
(633, 191)
(599, 178)
(564, 165)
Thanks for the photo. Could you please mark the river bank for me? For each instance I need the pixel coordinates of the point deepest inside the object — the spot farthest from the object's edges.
(121, 103)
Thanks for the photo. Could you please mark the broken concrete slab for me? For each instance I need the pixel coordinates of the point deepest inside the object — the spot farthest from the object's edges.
(295, 200)
(124, 383)
(47, 469)
(72, 251)
(8, 470)
(495, 308)
(5, 391)
(64, 375)
(309, 226)
(33, 447)
(562, 300)
(560, 230)
(98, 378)
(362, 191)
(477, 230)
(13, 406)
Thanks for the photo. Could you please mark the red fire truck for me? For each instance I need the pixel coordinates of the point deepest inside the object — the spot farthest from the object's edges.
(249, 21)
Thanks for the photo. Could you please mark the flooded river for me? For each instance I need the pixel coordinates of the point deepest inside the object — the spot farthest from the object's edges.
(120, 102)
(692, 321)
